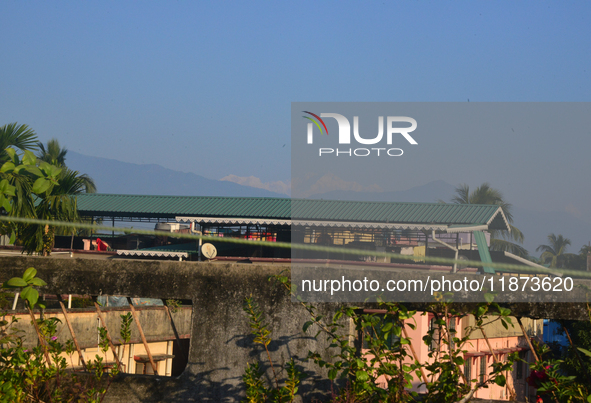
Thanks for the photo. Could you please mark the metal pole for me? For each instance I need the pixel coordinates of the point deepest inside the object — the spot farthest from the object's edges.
(139, 328)
(59, 297)
(15, 301)
(176, 333)
(41, 339)
(528, 340)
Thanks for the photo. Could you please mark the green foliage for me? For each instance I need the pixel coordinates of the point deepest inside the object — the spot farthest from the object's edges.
(125, 331)
(25, 285)
(375, 362)
(555, 252)
(27, 376)
(550, 378)
(103, 339)
(256, 390)
(173, 305)
(38, 188)
(500, 240)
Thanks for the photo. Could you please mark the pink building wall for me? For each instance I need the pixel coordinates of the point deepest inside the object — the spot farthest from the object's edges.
(477, 350)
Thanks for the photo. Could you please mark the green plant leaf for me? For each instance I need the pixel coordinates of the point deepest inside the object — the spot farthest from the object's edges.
(41, 185)
(362, 376)
(500, 380)
(489, 297)
(33, 297)
(11, 152)
(586, 352)
(34, 170)
(5, 203)
(38, 282)
(332, 374)
(29, 158)
(8, 166)
(25, 291)
(481, 310)
(17, 282)
(29, 274)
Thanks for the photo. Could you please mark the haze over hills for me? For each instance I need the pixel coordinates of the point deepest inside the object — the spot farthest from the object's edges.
(431, 192)
(112, 176)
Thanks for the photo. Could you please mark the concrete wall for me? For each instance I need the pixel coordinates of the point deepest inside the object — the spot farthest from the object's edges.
(154, 320)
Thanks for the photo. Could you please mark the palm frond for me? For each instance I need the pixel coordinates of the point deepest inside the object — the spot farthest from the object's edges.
(506, 246)
(17, 136)
(462, 194)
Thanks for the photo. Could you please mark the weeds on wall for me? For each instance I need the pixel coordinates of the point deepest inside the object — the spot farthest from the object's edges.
(371, 358)
(39, 374)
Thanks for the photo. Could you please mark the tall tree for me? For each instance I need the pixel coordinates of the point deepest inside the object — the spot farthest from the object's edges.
(58, 203)
(39, 186)
(555, 252)
(485, 194)
(54, 154)
(15, 140)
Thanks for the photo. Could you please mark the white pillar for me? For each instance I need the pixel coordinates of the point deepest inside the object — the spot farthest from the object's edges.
(168, 370)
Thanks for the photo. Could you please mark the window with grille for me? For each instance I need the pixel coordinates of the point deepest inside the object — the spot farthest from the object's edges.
(482, 368)
(452, 332)
(468, 370)
(392, 341)
(434, 327)
(519, 365)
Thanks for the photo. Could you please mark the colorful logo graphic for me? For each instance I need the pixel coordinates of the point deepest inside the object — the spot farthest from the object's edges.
(315, 122)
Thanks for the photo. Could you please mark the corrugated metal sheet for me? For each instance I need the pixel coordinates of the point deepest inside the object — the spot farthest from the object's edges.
(243, 207)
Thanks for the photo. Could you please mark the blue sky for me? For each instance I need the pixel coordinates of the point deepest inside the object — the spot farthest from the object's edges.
(206, 87)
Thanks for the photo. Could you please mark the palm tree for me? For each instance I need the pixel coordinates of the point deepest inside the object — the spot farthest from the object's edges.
(14, 138)
(555, 252)
(52, 202)
(485, 194)
(54, 154)
(57, 203)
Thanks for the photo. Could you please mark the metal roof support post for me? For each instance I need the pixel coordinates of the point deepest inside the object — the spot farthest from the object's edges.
(174, 330)
(455, 268)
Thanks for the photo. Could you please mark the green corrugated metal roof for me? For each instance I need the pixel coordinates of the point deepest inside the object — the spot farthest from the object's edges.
(172, 206)
(253, 207)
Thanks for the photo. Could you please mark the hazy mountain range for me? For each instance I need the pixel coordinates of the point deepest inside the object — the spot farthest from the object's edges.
(112, 176)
